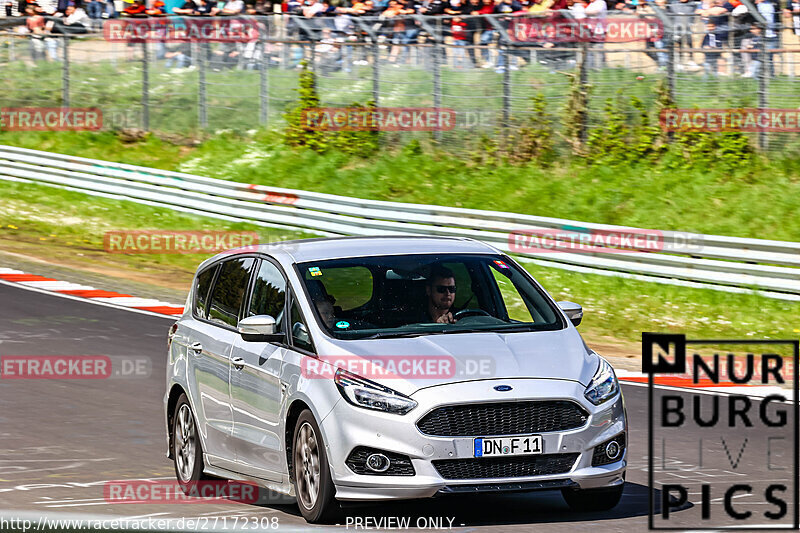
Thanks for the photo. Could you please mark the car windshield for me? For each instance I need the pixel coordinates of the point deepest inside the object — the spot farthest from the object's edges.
(412, 295)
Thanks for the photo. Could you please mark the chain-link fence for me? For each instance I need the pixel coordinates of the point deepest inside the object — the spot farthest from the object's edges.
(485, 68)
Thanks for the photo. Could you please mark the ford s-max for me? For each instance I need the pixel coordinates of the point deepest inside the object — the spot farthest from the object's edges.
(381, 368)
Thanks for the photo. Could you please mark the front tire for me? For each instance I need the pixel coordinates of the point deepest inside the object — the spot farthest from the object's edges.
(588, 500)
(187, 451)
(311, 474)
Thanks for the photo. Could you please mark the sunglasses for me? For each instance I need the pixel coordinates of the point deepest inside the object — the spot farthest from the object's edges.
(441, 289)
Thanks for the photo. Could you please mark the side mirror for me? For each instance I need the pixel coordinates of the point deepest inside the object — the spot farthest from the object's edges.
(573, 311)
(259, 328)
(301, 336)
(300, 332)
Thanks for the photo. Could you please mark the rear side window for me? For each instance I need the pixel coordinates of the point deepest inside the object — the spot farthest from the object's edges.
(349, 286)
(229, 290)
(201, 286)
(269, 294)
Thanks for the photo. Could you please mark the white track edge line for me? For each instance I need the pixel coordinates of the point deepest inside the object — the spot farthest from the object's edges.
(87, 300)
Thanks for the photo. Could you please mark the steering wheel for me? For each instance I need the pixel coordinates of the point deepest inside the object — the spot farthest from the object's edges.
(464, 313)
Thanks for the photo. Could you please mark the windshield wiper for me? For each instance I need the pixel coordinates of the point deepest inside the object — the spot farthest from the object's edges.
(496, 329)
(450, 330)
(392, 335)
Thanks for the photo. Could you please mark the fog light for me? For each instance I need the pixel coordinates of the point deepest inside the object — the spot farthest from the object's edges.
(377, 462)
(609, 451)
(613, 450)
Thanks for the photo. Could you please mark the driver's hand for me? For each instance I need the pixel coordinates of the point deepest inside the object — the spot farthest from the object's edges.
(446, 318)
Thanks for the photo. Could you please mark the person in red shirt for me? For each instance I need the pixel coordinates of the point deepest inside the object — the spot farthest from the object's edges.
(458, 31)
(136, 9)
(157, 10)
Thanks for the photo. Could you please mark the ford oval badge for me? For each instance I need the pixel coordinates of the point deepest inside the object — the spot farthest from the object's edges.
(503, 388)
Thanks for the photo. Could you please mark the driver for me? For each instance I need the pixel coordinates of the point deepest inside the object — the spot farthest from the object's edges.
(441, 294)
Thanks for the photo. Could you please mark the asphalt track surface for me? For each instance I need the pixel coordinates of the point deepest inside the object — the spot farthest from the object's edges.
(61, 440)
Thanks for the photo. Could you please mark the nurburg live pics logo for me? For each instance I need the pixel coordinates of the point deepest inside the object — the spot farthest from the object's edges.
(727, 458)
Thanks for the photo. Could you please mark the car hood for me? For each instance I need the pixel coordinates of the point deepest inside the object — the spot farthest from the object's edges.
(410, 364)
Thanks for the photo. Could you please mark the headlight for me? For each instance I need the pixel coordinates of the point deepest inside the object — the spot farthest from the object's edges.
(604, 384)
(370, 395)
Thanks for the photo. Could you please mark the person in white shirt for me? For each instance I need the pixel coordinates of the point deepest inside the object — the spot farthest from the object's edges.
(767, 10)
(312, 8)
(597, 10)
(76, 21)
(232, 7)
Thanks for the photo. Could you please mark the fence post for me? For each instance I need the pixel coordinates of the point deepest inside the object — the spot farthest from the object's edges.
(286, 47)
(145, 88)
(670, 75)
(763, 85)
(263, 84)
(65, 72)
(202, 104)
(376, 74)
(671, 66)
(583, 76)
(437, 76)
(506, 89)
(313, 55)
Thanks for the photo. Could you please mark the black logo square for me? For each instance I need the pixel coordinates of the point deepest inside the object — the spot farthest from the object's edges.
(663, 353)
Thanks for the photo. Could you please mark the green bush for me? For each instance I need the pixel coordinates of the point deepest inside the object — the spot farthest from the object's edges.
(298, 134)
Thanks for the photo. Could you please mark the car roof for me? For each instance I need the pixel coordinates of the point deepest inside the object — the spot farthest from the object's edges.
(320, 249)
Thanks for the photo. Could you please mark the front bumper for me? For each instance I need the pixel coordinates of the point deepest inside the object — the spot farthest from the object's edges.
(348, 427)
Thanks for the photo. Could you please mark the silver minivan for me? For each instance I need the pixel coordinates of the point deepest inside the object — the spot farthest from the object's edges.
(381, 368)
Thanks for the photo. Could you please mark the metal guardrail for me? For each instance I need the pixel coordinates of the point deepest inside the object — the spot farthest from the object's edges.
(734, 264)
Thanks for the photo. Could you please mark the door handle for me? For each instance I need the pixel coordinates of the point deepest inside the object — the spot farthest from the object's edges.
(197, 348)
(238, 363)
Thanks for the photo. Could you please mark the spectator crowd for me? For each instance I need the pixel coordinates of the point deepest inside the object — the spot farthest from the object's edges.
(715, 26)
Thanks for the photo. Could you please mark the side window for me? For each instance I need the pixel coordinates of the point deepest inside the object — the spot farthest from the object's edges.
(269, 294)
(201, 286)
(300, 336)
(228, 291)
(515, 305)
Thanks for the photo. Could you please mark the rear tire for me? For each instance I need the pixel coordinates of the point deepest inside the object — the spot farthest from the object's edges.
(311, 474)
(187, 450)
(588, 500)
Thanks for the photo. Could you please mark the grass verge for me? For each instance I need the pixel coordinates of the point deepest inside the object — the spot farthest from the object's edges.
(760, 203)
(68, 227)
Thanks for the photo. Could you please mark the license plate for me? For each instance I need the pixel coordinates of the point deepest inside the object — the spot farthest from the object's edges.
(506, 446)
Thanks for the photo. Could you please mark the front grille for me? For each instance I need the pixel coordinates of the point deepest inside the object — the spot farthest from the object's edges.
(505, 418)
(531, 465)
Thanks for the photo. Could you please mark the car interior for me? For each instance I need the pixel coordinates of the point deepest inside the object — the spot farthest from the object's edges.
(370, 296)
